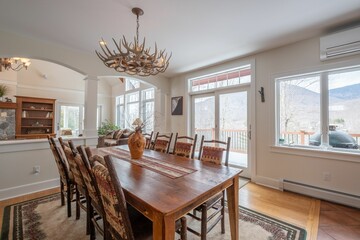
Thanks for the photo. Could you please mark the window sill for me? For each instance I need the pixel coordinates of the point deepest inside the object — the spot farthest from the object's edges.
(317, 153)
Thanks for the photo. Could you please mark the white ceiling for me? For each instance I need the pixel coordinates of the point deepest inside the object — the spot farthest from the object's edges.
(197, 32)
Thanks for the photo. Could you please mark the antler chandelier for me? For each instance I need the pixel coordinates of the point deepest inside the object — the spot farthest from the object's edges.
(133, 58)
(15, 63)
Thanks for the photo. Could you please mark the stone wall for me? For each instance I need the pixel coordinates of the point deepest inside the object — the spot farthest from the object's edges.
(7, 124)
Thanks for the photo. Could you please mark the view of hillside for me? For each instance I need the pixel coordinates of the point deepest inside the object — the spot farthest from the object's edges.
(300, 108)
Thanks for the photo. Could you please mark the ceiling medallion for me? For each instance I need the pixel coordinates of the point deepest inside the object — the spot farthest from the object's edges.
(133, 58)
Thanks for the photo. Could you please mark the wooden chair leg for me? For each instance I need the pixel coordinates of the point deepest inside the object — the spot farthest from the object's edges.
(68, 198)
(203, 222)
(223, 213)
(77, 204)
(107, 236)
(88, 218)
(62, 193)
(183, 228)
(91, 224)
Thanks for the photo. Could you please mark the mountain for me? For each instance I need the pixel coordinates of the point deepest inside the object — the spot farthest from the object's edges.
(348, 92)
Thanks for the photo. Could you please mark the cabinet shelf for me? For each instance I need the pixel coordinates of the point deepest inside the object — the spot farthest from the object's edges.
(34, 117)
(34, 109)
(36, 126)
(50, 118)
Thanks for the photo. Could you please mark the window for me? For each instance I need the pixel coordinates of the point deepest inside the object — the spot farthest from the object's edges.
(120, 111)
(98, 116)
(148, 109)
(136, 104)
(320, 109)
(70, 122)
(131, 84)
(132, 108)
(222, 79)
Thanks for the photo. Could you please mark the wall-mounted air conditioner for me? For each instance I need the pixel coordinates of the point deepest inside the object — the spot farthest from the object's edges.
(340, 44)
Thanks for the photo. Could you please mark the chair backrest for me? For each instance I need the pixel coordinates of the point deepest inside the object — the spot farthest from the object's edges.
(60, 163)
(215, 153)
(162, 142)
(185, 146)
(148, 139)
(74, 168)
(83, 163)
(113, 199)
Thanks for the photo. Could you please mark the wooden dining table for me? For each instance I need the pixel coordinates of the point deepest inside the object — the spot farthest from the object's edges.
(165, 187)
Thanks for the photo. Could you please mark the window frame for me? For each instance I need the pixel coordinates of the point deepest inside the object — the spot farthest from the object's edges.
(81, 117)
(141, 105)
(307, 150)
(215, 74)
(119, 116)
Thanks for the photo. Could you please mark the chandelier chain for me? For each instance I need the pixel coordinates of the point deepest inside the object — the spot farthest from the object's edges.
(137, 29)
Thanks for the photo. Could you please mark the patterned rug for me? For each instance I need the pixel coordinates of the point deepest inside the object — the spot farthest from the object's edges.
(44, 218)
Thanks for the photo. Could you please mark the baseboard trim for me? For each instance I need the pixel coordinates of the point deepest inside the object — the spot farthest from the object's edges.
(267, 182)
(28, 188)
(322, 193)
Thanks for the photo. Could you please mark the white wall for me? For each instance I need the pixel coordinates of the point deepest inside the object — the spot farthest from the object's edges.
(272, 163)
(15, 162)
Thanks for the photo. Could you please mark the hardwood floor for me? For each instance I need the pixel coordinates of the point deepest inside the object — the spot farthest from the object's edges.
(296, 209)
(338, 222)
(293, 208)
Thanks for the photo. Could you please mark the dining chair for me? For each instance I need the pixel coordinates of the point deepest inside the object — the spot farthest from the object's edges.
(66, 178)
(148, 139)
(185, 146)
(124, 221)
(162, 142)
(215, 206)
(81, 201)
(95, 206)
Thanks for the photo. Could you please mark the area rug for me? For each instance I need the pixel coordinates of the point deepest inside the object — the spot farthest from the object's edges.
(44, 218)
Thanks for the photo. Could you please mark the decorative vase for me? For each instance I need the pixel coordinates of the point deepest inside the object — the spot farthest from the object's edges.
(136, 144)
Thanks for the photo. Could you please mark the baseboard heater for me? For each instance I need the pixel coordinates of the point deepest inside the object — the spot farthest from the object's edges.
(322, 193)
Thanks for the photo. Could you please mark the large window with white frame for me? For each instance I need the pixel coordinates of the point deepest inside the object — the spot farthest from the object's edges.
(319, 109)
(134, 104)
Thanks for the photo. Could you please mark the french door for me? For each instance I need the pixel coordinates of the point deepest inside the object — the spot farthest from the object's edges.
(222, 114)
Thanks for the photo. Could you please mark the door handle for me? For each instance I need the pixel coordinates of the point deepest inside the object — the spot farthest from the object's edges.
(249, 134)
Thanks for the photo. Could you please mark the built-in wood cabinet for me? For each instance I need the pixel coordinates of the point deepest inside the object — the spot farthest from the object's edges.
(35, 117)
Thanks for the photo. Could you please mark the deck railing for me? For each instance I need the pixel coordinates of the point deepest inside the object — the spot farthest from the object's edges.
(239, 138)
(303, 137)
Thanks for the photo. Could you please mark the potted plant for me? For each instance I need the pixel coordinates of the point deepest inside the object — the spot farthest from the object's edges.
(107, 127)
(3, 91)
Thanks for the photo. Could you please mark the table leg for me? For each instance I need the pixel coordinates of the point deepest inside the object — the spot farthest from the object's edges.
(164, 228)
(233, 207)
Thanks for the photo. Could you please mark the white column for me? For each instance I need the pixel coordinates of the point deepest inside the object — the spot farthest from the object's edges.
(91, 96)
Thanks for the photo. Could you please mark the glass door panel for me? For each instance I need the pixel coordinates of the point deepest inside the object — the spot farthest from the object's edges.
(233, 122)
(204, 117)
